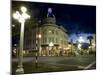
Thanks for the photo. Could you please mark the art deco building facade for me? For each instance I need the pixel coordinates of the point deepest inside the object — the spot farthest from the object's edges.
(48, 38)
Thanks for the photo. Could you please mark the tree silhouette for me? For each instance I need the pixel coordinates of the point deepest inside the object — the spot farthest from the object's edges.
(90, 39)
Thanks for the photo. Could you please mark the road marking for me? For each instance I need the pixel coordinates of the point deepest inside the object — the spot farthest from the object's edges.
(81, 67)
(90, 65)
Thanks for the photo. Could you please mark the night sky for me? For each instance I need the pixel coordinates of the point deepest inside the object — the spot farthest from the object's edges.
(77, 19)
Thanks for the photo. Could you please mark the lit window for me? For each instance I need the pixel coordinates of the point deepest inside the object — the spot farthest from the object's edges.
(51, 31)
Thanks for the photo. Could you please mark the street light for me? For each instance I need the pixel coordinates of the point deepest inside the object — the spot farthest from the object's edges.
(38, 47)
(79, 46)
(15, 45)
(13, 25)
(51, 44)
(40, 43)
(81, 39)
(39, 36)
(21, 17)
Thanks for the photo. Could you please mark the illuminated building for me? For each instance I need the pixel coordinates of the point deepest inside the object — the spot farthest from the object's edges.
(53, 38)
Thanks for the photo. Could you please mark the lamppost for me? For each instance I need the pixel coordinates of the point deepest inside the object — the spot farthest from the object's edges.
(21, 17)
(38, 47)
(80, 40)
(39, 36)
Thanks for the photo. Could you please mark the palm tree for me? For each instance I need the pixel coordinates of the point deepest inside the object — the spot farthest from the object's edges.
(90, 39)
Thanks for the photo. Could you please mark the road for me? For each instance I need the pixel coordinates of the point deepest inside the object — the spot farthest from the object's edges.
(64, 63)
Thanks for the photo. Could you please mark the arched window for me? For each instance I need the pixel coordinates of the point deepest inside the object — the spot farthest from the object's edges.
(51, 31)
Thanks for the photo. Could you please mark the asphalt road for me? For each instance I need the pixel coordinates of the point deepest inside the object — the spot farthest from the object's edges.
(61, 63)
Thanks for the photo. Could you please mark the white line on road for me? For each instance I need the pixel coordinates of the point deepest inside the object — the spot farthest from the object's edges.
(90, 65)
(67, 65)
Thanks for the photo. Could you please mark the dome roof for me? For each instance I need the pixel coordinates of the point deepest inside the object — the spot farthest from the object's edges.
(49, 20)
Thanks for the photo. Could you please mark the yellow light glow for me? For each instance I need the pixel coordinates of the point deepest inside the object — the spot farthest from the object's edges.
(93, 44)
(69, 45)
(81, 39)
(24, 52)
(49, 31)
(39, 36)
(23, 9)
(16, 15)
(79, 46)
(51, 44)
(21, 17)
(89, 46)
(13, 25)
(60, 47)
(25, 16)
(64, 48)
(68, 48)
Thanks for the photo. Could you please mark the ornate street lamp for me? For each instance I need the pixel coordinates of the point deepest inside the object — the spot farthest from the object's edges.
(21, 17)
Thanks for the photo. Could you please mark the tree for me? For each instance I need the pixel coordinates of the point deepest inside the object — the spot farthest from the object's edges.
(90, 39)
